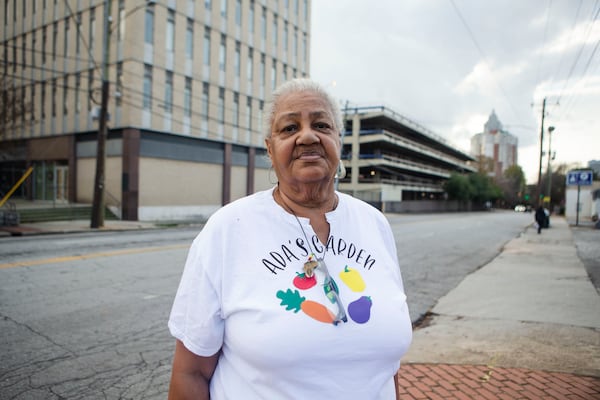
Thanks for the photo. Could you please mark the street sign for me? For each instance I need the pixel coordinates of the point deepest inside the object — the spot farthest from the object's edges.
(579, 178)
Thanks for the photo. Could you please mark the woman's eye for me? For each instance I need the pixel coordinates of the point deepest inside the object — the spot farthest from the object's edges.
(322, 125)
(290, 128)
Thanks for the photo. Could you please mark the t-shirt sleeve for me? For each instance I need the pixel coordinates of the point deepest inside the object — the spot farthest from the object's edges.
(196, 317)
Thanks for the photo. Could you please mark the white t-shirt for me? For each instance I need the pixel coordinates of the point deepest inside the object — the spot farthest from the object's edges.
(243, 291)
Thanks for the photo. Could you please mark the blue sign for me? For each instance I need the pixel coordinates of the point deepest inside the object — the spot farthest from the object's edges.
(583, 178)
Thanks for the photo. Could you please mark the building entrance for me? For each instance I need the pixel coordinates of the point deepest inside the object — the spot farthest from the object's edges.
(51, 181)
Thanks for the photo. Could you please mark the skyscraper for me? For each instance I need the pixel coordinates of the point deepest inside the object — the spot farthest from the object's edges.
(495, 149)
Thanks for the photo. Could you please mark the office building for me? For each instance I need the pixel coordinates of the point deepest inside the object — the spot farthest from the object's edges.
(187, 84)
(495, 148)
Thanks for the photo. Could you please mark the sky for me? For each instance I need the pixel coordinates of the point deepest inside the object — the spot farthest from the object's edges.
(447, 64)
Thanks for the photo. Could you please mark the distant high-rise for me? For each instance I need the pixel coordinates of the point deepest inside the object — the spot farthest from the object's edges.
(495, 149)
(188, 80)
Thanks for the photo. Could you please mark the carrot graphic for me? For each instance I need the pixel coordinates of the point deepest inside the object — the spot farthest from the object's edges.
(293, 301)
(317, 311)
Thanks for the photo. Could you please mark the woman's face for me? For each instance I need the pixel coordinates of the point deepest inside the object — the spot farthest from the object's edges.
(304, 146)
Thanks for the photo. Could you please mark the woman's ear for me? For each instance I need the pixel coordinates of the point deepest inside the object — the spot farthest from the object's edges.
(269, 151)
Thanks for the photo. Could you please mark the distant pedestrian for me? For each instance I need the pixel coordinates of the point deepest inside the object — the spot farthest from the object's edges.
(540, 218)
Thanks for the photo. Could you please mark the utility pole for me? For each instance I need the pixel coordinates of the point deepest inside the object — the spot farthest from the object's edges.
(98, 202)
(549, 169)
(539, 182)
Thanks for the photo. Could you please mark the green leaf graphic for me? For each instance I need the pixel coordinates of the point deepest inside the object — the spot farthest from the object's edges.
(291, 300)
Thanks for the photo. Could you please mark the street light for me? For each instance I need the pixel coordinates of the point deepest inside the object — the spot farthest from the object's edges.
(549, 169)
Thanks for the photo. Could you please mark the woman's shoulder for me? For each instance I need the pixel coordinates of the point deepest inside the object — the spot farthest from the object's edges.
(243, 206)
(359, 206)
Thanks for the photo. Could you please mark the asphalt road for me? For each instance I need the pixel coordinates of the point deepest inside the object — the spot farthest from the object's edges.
(83, 316)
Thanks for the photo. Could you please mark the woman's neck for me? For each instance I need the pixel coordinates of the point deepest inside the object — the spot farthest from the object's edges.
(316, 214)
(306, 203)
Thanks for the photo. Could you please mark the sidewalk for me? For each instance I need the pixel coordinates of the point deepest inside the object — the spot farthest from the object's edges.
(525, 326)
(74, 226)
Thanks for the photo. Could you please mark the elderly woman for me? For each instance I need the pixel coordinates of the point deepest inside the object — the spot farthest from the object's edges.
(294, 292)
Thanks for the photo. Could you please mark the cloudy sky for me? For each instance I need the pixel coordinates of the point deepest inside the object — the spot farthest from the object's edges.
(447, 64)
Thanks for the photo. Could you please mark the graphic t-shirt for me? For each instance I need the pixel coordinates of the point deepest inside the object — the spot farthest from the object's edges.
(243, 290)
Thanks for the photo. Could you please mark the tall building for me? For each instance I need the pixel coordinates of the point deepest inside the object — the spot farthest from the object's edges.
(187, 84)
(495, 149)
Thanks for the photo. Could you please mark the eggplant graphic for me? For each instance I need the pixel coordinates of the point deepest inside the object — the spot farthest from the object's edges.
(360, 309)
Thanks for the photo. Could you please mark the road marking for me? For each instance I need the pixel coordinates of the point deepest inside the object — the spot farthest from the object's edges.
(56, 260)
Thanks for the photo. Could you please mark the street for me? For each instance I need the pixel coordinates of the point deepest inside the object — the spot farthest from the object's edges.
(83, 316)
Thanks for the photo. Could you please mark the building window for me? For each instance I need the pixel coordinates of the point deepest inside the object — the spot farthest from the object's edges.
(221, 106)
(169, 92)
(55, 40)
(249, 113)
(33, 47)
(53, 100)
(237, 59)
(207, 4)
(170, 32)
(238, 12)
(77, 38)
(66, 48)
(261, 70)
(149, 25)
(43, 100)
(251, 17)
(205, 99)
(66, 95)
(224, 8)
(119, 94)
(44, 45)
(32, 99)
(285, 36)
(77, 90)
(122, 16)
(147, 87)
(249, 66)
(90, 87)
(304, 50)
(24, 51)
(295, 44)
(206, 46)
(92, 32)
(274, 75)
(222, 52)
(236, 109)
(305, 6)
(189, 40)
(187, 98)
(263, 23)
(274, 34)
(261, 106)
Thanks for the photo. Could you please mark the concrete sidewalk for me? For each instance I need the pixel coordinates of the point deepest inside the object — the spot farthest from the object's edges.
(526, 325)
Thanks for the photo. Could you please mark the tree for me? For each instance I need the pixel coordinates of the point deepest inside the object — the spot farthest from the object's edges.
(512, 184)
(458, 187)
(14, 108)
(484, 188)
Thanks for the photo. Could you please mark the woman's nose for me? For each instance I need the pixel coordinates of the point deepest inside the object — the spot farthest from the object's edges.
(307, 135)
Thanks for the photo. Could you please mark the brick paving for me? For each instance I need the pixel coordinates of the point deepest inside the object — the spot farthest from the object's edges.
(480, 382)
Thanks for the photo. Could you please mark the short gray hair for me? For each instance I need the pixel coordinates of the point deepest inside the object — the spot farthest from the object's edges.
(301, 85)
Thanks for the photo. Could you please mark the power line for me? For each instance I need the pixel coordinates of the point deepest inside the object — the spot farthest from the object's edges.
(589, 29)
(483, 55)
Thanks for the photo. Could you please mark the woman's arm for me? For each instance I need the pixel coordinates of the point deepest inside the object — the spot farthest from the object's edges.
(191, 374)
